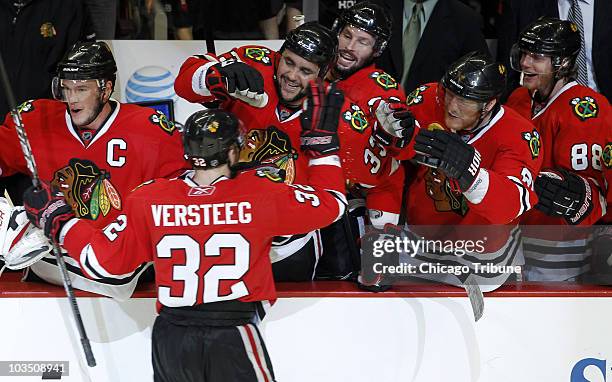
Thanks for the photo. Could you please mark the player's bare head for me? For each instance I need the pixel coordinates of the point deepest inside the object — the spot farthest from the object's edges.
(545, 53)
(85, 80)
(470, 90)
(363, 32)
(212, 138)
(308, 52)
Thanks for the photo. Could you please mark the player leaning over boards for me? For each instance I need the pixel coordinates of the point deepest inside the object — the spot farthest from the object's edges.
(92, 148)
(266, 89)
(209, 235)
(363, 32)
(575, 123)
(480, 166)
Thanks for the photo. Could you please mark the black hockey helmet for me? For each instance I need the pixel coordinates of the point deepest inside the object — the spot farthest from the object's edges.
(315, 43)
(371, 18)
(87, 61)
(549, 36)
(475, 76)
(208, 136)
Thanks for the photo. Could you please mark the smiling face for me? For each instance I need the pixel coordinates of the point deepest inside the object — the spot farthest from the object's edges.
(538, 72)
(293, 74)
(86, 102)
(355, 50)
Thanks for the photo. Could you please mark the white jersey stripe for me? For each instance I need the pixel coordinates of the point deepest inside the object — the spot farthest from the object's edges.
(258, 345)
(250, 354)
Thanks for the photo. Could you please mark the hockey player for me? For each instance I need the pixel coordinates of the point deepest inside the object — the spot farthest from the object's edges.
(479, 168)
(575, 123)
(209, 235)
(363, 32)
(266, 88)
(92, 148)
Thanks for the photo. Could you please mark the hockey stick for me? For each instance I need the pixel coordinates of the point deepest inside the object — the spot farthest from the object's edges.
(27, 153)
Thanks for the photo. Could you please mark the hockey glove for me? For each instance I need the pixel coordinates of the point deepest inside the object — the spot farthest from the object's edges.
(374, 252)
(234, 78)
(565, 194)
(394, 125)
(319, 135)
(447, 152)
(47, 209)
(21, 243)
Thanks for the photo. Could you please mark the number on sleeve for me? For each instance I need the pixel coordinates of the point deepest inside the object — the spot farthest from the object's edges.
(111, 231)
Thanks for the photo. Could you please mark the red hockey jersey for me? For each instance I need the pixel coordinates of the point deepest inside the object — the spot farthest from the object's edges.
(576, 134)
(208, 243)
(135, 144)
(502, 192)
(273, 139)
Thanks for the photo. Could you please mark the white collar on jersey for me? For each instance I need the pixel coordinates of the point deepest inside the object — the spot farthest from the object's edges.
(488, 126)
(188, 179)
(102, 129)
(291, 117)
(550, 101)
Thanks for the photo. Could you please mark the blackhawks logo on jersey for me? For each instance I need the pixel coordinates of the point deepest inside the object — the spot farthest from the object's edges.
(606, 155)
(356, 118)
(26, 107)
(87, 189)
(444, 197)
(416, 96)
(274, 174)
(160, 119)
(269, 147)
(384, 80)
(261, 55)
(533, 140)
(584, 107)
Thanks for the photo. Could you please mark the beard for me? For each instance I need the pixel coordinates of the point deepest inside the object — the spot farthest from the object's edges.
(288, 101)
(343, 73)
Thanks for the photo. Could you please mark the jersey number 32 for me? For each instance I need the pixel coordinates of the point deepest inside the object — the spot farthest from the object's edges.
(187, 273)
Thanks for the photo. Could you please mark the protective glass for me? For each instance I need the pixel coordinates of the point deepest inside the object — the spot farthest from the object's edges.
(74, 90)
(535, 62)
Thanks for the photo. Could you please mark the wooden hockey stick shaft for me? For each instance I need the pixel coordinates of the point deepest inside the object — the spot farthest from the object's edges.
(29, 157)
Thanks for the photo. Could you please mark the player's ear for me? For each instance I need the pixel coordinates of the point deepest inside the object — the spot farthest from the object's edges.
(233, 155)
(108, 90)
(489, 105)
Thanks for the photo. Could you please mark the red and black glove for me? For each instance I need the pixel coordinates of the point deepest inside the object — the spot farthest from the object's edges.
(450, 154)
(372, 254)
(394, 125)
(565, 194)
(319, 135)
(234, 78)
(47, 209)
